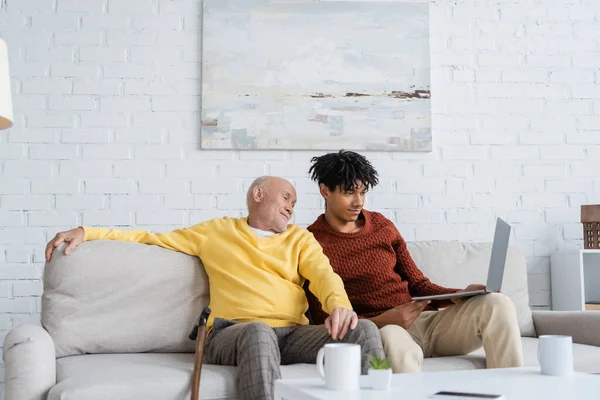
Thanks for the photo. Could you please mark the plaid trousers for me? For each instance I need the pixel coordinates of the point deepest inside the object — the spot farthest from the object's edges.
(258, 350)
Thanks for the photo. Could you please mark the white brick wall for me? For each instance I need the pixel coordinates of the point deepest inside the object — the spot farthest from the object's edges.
(106, 96)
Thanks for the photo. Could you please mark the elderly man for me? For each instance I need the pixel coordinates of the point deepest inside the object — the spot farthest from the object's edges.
(256, 268)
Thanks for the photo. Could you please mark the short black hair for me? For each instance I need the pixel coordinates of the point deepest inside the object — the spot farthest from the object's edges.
(343, 169)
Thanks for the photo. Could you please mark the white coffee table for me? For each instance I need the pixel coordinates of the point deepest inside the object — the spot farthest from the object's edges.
(512, 383)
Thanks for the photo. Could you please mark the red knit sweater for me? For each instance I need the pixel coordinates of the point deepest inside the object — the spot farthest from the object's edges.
(375, 265)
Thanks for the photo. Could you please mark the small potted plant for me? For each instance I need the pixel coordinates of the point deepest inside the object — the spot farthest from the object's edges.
(380, 373)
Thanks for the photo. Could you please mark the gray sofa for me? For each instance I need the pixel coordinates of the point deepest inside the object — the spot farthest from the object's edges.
(116, 318)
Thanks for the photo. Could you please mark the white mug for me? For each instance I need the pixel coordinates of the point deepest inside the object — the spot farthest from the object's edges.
(555, 354)
(342, 366)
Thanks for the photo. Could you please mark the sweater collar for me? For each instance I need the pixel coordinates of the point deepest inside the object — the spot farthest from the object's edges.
(242, 224)
(322, 222)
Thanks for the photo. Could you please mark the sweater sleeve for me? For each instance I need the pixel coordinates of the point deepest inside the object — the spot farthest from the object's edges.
(316, 315)
(325, 284)
(418, 284)
(186, 240)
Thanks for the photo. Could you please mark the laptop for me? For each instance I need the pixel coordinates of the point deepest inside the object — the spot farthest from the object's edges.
(496, 268)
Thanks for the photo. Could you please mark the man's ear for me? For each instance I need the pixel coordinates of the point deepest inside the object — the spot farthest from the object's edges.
(324, 190)
(258, 194)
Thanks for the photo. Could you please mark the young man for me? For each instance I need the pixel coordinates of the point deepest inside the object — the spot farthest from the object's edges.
(379, 275)
(256, 268)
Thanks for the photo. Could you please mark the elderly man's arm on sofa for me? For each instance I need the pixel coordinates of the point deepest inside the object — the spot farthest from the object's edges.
(29, 363)
(583, 326)
(185, 240)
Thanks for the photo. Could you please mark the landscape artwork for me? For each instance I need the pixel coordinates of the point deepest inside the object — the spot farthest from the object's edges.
(316, 75)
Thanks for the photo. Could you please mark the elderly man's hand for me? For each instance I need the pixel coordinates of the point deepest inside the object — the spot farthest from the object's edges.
(73, 237)
(340, 320)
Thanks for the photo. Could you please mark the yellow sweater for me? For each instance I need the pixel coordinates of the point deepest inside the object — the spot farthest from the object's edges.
(251, 278)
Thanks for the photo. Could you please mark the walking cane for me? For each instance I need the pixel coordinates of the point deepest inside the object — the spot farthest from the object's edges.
(198, 334)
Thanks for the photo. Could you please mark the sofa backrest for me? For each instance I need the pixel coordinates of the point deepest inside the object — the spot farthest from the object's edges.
(457, 264)
(119, 297)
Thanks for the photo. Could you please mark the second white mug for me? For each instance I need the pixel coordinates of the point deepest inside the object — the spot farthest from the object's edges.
(339, 366)
(555, 354)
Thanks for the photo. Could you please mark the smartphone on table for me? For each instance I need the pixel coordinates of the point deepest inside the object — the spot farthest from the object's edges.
(449, 395)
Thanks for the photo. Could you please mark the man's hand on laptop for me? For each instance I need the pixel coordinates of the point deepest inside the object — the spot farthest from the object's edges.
(471, 288)
(340, 320)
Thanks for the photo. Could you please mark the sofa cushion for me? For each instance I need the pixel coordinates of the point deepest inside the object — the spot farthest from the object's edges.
(119, 297)
(458, 264)
(586, 358)
(167, 376)
(455, 363)
(147, 377)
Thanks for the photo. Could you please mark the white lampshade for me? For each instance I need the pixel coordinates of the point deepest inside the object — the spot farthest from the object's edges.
(6, 111)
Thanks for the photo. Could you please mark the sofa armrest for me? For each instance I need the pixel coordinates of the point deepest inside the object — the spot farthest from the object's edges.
(583, 326)
(29, 363)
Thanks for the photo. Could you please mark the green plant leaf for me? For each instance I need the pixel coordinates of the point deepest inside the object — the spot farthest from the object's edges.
(379, 362)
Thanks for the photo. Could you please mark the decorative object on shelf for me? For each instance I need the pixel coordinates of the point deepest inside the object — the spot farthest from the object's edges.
(592, 306)
(380, 373)
(590, 217)
(6, 111)
(316, 75)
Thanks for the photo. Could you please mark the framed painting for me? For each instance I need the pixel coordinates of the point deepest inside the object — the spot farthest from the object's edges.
(316, 75)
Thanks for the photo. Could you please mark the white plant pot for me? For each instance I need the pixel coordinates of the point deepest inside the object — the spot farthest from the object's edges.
(380, 379)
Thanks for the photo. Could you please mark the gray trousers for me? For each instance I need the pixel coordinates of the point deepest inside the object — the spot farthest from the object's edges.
(258, 350)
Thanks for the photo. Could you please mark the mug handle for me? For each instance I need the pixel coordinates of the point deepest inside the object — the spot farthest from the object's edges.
(320, 357)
